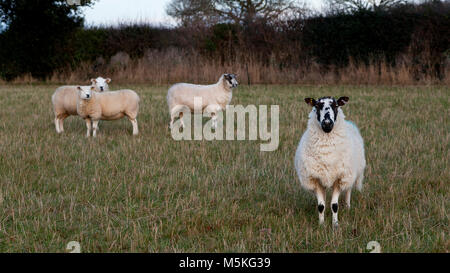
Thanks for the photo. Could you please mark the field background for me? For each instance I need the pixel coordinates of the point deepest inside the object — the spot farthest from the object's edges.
(119, 193)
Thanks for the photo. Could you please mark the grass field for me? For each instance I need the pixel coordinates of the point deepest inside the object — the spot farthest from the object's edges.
(119, 193)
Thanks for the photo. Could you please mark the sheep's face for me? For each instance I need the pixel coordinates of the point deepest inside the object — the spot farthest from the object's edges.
(85, 93)
(326, 110)
(231, 80)
(100, 84)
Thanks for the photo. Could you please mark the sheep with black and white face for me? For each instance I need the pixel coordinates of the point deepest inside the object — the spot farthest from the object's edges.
(330, 154)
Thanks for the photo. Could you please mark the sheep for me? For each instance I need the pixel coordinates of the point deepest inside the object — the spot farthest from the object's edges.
(65, 99)
(114, 105)
(330, 154)
(214, 97)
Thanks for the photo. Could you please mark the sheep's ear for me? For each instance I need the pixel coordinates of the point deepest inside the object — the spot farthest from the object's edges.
(93, 81)
(310, 101)
(92, 88)
(342, 101)
(227, 76)
(108, 80)
(79, 88)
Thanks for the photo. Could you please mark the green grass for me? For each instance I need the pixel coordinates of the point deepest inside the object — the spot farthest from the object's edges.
(119, 193)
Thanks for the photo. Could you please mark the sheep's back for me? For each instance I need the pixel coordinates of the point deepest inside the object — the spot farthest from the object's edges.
(117, 101)
(65, 99)
(184, 94)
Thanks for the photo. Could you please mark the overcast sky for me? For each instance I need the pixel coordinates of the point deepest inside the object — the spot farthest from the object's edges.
(153, 11)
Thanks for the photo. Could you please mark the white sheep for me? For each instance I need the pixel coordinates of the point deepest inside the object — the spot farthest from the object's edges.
(65, 99)
(214, 97)
(114, 105)
(330, 154)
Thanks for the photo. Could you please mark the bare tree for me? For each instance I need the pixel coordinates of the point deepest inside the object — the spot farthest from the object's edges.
(190, 11)
(236, 11)
(362, 5)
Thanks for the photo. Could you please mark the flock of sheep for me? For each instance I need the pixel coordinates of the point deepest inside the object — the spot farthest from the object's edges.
(330, 153)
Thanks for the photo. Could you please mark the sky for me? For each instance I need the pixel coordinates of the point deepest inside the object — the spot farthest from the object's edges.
(111, 12)
(117, 11)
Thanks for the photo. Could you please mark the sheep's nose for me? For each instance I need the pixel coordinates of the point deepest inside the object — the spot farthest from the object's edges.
(87, 95)
(327, 125)
(101, 89)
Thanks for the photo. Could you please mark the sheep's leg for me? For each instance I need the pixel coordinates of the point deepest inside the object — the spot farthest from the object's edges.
(174, 113)
(135, 127)
(348, 195)
(89, 127)
(61, 124)
(57, 125)
(320, 194)
(95, 127)
(335, 204)
(214, 120)
(212, 111)
(172, 118)
(181, 119)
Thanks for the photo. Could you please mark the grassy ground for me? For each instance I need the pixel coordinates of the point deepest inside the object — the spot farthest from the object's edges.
(119, 193)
